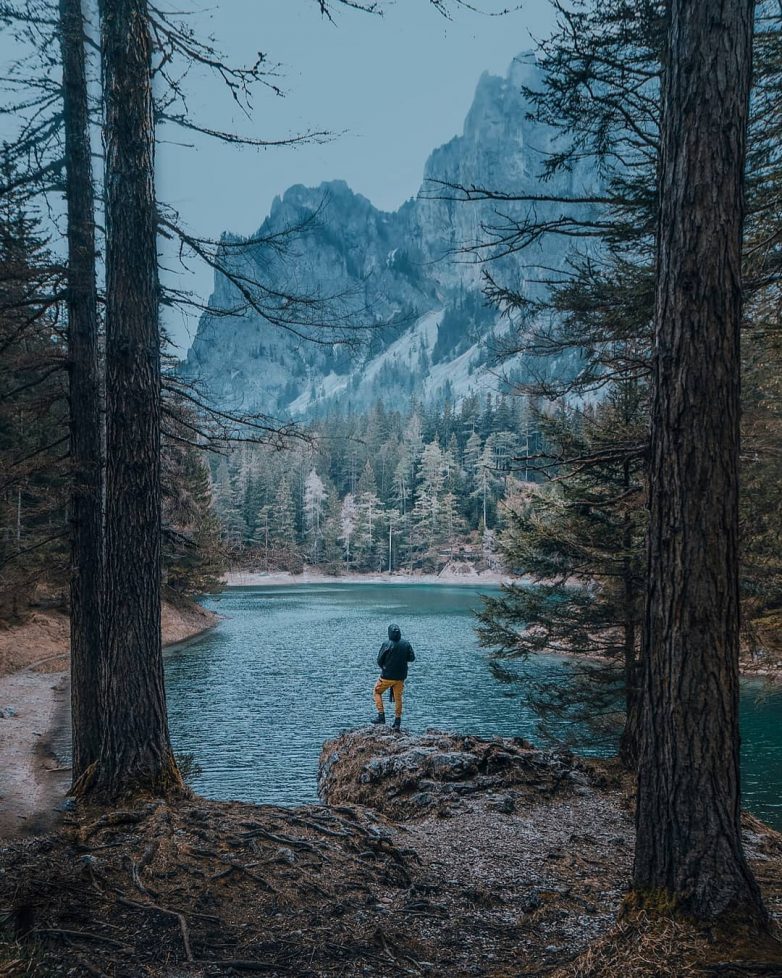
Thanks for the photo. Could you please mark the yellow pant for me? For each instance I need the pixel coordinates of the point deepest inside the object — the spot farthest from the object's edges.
(381, 686)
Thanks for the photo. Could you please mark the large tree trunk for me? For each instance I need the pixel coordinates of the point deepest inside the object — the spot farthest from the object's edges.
(86, 507)
(136, 752)
(688, 848)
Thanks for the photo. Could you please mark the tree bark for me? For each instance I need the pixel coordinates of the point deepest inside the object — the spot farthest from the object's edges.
(136, 755)
(86, 506)
(688, 850)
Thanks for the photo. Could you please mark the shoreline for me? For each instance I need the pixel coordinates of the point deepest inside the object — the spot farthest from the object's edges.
(308, 577)
(35, 716)
(749, 668)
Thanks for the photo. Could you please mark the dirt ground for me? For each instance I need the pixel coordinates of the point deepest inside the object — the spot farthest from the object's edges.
(34, 704)
(41, 643)
(464, 857)
(762, 656)
(34, 782)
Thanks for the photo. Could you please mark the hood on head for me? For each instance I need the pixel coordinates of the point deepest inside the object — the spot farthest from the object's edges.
(394, 633)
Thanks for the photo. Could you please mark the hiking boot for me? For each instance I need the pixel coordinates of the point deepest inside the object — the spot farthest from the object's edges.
(397, 724)
(380, 718)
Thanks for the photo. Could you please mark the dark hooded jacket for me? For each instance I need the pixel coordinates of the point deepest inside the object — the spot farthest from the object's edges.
(394, 655)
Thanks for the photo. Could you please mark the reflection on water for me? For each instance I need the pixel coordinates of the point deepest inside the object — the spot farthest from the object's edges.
(254, 699)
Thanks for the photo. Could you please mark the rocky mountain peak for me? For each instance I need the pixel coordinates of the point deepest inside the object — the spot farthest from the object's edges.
(405, 272)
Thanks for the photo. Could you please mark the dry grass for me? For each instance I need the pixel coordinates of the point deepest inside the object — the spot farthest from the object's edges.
(658, 947)
(639, 948)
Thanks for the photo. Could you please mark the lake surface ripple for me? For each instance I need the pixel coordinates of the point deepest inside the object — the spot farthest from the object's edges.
(289, 667)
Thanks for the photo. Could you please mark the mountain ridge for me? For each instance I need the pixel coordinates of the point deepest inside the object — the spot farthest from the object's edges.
(404, 273)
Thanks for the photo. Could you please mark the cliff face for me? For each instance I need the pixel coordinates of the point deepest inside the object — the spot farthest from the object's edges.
(500, 149)
(406, 274)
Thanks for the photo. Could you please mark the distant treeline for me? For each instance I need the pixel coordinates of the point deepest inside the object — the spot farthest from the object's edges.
(384, 489)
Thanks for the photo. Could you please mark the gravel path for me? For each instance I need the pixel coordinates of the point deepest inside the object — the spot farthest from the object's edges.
(34, 709)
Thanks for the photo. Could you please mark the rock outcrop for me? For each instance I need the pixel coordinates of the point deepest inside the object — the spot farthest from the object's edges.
(437, 773)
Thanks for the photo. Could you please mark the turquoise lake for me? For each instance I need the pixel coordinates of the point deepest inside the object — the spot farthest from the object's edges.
(289, 667)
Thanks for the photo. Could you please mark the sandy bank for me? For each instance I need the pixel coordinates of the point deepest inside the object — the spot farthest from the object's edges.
(42, 643)
(470, 578)
(183, 623)
(34, 708)
(34, 713)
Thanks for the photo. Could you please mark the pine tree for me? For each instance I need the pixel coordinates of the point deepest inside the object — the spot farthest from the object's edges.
(433, 468)
(426, 523)
(314, 498)
(86, 507)
(688, 814)
(261, 534)
(232, 517)
(368, 538)
(332, 527)
(486, 480)
(33, 466)
(402, 485)
(761, 462)
(580, 539)
(135, 753)
(348, 520)
(283, 524)
(255, 498)
(193, 555)
(396, 526)
(424, 527)
(451, 522)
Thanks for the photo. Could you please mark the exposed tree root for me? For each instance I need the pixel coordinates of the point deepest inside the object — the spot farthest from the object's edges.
(507, 863)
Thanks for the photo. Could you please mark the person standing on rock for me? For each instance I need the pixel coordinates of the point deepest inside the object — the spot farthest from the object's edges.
(393, 658)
